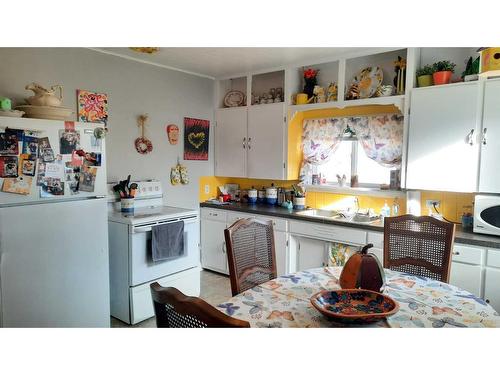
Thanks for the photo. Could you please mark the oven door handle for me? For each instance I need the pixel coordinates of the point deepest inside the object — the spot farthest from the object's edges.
(149, 227)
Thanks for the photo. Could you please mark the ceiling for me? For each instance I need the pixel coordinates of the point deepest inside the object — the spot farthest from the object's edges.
(223, 62)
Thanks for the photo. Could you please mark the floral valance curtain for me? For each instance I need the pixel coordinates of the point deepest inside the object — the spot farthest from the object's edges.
(381, 137)
(320, 139)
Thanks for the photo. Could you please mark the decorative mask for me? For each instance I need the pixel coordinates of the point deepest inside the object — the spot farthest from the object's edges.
(173, 134)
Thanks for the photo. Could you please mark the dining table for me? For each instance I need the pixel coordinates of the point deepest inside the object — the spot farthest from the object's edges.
(423, 302)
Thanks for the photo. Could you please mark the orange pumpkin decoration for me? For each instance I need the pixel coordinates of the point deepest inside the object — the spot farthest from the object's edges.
(363, 271)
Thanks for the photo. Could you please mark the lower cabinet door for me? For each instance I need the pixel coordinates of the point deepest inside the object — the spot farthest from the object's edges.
(213, 252)
(467, 277)
(492, 287)
(310, 253)
(280, 246)
(379, 253)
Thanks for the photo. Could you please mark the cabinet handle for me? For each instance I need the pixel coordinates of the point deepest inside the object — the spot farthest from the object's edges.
(471, 137)
(456, 253)
(244, 141)
(249, 143)
(484, 136)
(223, 249)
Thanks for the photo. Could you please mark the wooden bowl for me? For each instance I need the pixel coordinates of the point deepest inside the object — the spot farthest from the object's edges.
(354, 305)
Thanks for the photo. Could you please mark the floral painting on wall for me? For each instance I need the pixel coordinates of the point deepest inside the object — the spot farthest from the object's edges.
(92, 107)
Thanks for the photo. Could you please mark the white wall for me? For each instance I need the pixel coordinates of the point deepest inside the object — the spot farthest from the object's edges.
(133, 88)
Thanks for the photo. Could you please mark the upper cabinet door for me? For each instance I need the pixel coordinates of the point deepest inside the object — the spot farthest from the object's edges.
(230, 142)
(489, 178)
(442, 140)
(266, 141)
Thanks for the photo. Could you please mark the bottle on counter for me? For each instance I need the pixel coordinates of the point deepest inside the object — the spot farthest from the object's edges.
(385, 211)
(395, 207)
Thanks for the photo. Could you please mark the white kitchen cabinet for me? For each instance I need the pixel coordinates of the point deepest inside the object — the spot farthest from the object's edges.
(213, 251)
(492, 287)
(250, 142)
(467, 277)
(230, 142)
(311, 253)
(442, 141)
(489, 178)
(281, 250)
(266, 141)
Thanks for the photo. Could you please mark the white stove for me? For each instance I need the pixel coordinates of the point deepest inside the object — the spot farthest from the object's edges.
(132, 269)
(148, 215)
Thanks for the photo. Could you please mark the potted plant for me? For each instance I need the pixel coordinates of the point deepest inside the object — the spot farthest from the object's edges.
(443, 71)
(424, 76)
(310, 80)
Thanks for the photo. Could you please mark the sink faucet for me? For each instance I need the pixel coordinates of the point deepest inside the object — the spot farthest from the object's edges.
(356, 204)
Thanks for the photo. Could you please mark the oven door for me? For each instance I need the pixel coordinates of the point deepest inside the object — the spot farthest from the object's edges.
(142, 267)
(487, 214)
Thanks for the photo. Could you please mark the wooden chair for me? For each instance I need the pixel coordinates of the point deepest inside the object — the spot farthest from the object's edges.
(173, 309)
(419, 245)
(251, 254)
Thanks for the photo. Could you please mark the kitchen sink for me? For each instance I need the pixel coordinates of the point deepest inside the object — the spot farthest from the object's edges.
(329, 214)
(337, 215)
(361, 218)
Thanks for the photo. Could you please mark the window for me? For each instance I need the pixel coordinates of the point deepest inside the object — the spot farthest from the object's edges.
(350, 159)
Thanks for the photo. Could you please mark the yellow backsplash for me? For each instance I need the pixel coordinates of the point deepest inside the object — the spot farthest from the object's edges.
(323, 200)
(452, 206)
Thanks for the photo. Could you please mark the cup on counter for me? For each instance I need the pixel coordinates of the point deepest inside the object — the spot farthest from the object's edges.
(127, 205)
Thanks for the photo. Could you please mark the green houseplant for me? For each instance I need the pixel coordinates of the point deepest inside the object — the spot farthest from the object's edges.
(443, 71)
(424, 76)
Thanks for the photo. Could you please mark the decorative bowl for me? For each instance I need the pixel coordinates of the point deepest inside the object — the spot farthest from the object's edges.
(354, 305)
(46, 112)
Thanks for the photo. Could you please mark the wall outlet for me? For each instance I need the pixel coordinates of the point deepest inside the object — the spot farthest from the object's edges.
(429, 203)
(207, 189)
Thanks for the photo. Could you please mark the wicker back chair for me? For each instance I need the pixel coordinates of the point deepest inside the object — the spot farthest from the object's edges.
(251, 256)
(173, 309)
(419, 245)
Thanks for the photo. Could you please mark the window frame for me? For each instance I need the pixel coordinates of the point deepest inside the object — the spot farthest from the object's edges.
(354, 169)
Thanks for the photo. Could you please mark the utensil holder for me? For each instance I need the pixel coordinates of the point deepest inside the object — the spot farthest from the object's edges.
(299, 203)
(127, 205)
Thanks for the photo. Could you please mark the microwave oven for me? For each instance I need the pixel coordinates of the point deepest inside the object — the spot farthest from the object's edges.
(487, 214)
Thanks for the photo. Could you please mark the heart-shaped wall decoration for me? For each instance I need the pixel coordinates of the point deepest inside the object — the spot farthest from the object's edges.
(196, 139)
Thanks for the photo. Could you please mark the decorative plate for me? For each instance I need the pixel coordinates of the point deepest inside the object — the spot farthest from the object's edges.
(143, 145)
(354, 305)
(234, 98)
(46, 112)
(368, 81)
(11, 113)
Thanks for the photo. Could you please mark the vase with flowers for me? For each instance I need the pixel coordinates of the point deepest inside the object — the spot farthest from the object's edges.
(310, 80)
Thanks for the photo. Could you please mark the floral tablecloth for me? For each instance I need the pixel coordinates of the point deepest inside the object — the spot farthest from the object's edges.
(423, 302)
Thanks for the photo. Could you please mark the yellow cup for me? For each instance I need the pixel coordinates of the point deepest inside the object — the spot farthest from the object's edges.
(302, 99)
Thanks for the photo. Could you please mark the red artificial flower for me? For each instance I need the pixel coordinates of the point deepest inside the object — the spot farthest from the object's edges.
(310, 73)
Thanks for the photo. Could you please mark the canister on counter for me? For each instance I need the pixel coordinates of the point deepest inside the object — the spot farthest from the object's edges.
(261, 195)
(252, 195)
(271, 195)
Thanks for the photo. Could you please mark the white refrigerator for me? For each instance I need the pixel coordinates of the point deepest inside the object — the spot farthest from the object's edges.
(54, 263)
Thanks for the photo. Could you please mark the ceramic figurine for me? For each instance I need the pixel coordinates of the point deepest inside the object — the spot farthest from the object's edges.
(332, 92)
(353, 92)
(319, 94)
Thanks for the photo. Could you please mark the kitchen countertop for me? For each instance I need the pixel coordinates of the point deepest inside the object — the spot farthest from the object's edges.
(461, 236)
